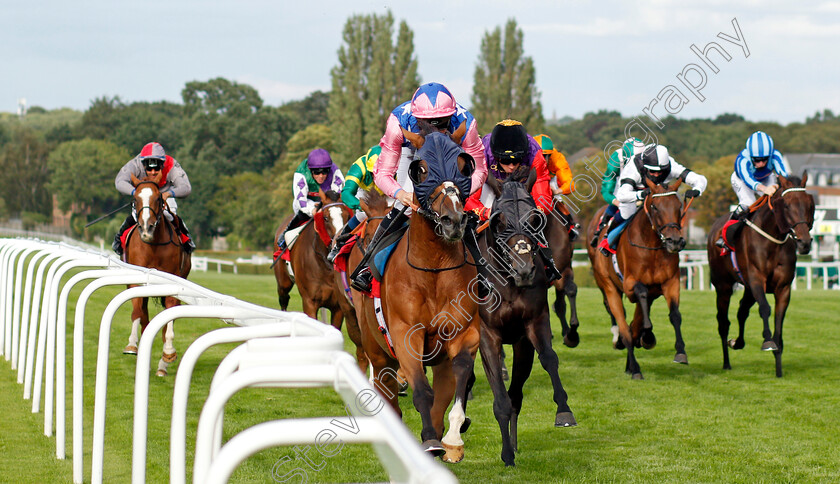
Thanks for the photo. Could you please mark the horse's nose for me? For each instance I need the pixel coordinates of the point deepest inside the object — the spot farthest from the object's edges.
(682, 243)
(446, 220)
(804, 247)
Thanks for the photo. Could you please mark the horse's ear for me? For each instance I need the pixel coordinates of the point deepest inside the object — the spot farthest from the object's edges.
(496, 221)
(364, 206)
(134, 180)
(324, 199)
(783, 181)
(649, 183)
(417, 171)
(532, 179)
(466, 164)
(805, 178)
(494, 185)
(459, 133)
(676, 185)
(157, 177)
(415, 139)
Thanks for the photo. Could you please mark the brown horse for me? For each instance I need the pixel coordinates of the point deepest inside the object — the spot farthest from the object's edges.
(154, 244)
(521, 315)
(562, 250)
(766, 262)
(431, 319)
(317, 282)
(648, 258)
(285, 282)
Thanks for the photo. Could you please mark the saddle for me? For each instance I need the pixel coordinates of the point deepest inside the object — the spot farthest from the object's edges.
(384, 250)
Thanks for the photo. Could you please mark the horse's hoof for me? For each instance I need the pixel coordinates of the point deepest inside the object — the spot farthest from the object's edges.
(637, 376)
(565, 419)
(769, 345)
(130, 350)
(571, 340)
(736, 345)
(466, 425)
(433, 447)
(161, 373)
(648, 340)
(681, 358)
(403, 392)
(454, 453)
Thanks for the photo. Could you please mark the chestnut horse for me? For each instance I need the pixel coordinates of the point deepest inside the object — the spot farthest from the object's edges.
(766, 262)
(520, 317)
(648, 259)
(154, 244)
(562, 250)
(429, 316)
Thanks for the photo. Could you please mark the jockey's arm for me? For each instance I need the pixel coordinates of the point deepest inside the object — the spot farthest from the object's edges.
(610, 178)
(301, 202)
(743, 172)
(389, 159)
(123, 179)
(474, 147)
(473, 204)
(564, 182)
(694, 180)
(628, 180)
(541, 192)
(179, 183)
(348, 193)
(338, 180)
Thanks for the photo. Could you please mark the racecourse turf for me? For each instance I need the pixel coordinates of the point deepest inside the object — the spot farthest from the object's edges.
(695, 423)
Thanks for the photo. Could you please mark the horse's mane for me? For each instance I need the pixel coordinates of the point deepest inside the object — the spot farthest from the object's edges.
(333, 195)
(376, 202)
(794, 180)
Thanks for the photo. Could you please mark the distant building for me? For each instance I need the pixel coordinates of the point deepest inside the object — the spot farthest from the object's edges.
(824, 183)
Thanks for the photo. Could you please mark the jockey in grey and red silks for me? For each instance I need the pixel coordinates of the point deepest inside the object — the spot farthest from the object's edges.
(305, 187)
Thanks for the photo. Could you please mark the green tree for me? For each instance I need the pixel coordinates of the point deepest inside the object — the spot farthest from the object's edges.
(23, 161)
(310, 110)
(718, 195)
(504, 83)
(281, 175)
(82, 175)
(102, 118)
(240, 205)
(372, 77)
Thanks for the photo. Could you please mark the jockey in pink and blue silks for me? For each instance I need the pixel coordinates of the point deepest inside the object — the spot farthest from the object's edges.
(432, 108)
(316, 172)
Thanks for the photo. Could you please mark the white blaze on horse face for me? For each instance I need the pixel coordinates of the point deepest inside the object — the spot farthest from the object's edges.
(456, 419)
(453, 195)
(145, 196)
(335, 218)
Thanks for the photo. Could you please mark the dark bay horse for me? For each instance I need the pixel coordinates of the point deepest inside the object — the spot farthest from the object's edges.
(154, 244)
(521, 315)
(316, 280)
(428, 296)
(562, 250)
(285, 282)
(648, 259)
(766, 258)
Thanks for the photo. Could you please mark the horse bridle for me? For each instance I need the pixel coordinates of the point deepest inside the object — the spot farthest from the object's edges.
(658, 230)
(158, 214)
(430, 214)
(792, 232)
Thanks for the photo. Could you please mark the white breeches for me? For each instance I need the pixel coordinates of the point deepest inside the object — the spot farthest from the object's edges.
(746, 195)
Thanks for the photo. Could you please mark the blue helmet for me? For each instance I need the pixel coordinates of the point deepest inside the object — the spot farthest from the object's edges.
(760, 146)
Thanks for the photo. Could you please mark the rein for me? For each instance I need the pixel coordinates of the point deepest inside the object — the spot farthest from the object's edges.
(790, 234)
(158, 216)
(658, 230)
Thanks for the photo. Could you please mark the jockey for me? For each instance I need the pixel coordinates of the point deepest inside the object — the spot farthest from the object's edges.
(359, 177)
(431, 108)
(506, 149)
(653, 164)
(561, 180)
(619, 157)
(756, 170)
(173, 184)
(316, 172)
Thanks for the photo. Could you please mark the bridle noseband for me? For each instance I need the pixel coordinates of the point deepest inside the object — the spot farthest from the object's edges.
(658, 229)
(158, 214)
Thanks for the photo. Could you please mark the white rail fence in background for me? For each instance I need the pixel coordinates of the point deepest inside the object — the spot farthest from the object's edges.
(33, 325)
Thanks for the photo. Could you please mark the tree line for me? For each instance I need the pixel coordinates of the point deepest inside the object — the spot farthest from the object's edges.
(240, 153)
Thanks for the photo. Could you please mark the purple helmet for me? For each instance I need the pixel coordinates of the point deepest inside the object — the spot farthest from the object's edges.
(319, 158)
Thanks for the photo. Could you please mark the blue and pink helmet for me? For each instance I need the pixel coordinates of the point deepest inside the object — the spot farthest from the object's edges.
(432, 100)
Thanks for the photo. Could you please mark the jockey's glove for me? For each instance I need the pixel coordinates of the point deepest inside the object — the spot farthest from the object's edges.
(692, 193)
(642, 194)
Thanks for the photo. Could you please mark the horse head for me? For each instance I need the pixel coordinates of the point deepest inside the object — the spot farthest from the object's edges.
(334, 212)
(148, 203)
(664, 211)
(441, 177)
(516, 228)
(794, 210)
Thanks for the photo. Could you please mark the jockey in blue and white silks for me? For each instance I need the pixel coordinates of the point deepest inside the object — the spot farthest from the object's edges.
(756, 168)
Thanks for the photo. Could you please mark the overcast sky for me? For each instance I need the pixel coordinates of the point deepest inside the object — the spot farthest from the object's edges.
(589, 55)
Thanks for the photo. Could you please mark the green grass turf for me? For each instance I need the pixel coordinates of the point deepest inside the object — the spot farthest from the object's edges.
(694, 423)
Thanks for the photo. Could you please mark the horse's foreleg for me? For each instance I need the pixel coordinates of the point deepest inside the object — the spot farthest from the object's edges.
(560, 308)
(336, 317)
(539, 335)
(462, 368)
(491, 346)
(782, 301)
(169, 354)
(747, 301)
(647, 339)
(572, 339)
(137, 311)
(724, 295)
(386, 379)
(523, 362)
(671, 291)
(616, 308)
(757, 290)
(409, 348)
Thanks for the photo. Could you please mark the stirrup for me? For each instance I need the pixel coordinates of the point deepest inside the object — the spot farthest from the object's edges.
(333, 253)
(720, 243)
(363, 281)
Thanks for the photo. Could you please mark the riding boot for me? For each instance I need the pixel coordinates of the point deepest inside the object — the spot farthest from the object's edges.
(608, 215)
(574, 227)
(550, 269)
(340, 239)
(734, 230)
(605, 247)
(117, 245)
(362, 279)
(189, 245)
(296, 221)
(484, 287)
